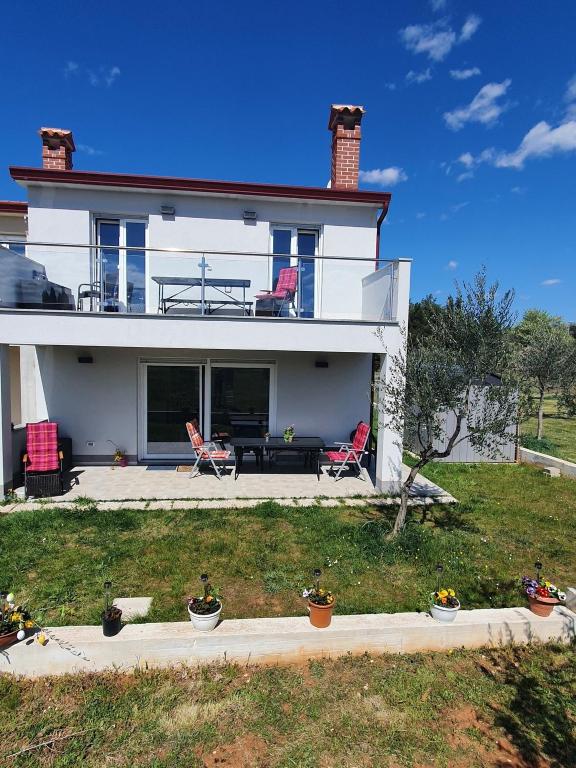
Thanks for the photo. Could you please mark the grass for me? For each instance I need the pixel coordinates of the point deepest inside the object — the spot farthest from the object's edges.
(509, 516)
(467, 709)
(560, 430)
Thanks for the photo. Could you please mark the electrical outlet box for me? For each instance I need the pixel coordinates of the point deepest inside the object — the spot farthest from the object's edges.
(90, 443)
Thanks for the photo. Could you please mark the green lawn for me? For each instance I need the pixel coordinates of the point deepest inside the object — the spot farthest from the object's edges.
(474, 709)
(559, 430)
(509, 516)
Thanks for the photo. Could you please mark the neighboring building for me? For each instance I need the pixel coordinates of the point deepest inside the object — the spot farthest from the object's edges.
(111, 352)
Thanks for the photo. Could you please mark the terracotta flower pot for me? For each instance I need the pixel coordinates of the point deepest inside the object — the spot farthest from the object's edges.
(542, 606)
(9, 639)
(320, 615)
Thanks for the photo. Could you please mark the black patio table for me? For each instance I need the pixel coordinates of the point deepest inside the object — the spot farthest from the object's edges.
(312, 446)
(220, 285)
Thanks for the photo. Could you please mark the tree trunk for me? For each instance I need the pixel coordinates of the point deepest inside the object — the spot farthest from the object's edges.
(540, 414)
(400, 521)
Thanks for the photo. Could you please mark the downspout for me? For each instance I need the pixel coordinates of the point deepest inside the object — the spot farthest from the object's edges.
(379, 221)
(381, 218)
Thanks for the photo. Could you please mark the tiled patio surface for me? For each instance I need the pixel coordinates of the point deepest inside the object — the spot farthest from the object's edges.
(164, 482)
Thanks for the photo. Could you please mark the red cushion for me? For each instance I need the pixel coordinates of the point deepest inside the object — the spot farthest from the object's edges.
(42, 447)
(215, 454)
(361, 436)
(338, 455)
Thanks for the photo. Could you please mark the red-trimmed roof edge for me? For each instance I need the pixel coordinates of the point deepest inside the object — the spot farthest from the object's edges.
(13, 206)
(95, 178)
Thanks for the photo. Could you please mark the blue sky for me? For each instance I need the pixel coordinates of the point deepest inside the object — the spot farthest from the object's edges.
(470, 122)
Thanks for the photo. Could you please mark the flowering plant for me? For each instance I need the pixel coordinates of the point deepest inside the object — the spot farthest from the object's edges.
(207, 603)
(317, 594)
(13, 617)
(289, 433)
(446, 598)
(541, 588)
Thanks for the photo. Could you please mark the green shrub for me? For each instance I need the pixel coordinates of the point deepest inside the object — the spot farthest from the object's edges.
(541, 446)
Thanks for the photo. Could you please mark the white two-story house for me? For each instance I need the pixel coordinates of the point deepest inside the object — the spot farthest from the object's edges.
(140, 302)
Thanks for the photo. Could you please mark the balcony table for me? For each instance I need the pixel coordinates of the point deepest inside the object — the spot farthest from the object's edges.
(220, 284)
(312, 446)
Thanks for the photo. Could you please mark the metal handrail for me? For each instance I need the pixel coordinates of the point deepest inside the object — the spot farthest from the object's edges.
(201, 251)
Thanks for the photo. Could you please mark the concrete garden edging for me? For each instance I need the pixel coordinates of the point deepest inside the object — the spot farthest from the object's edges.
(567, 468)
(278, 640)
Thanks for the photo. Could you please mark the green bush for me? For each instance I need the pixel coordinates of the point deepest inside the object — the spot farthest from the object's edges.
(541, 446)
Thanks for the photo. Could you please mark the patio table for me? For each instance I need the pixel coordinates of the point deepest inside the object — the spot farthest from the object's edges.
(311, 446)
(221, 285)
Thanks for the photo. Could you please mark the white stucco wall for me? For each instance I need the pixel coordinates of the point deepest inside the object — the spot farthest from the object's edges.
(99, 402)
(207, 223)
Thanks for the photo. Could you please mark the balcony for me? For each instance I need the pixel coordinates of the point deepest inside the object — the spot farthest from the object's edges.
(259, 290)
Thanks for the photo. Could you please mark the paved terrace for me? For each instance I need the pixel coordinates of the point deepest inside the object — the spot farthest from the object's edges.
(139, 483)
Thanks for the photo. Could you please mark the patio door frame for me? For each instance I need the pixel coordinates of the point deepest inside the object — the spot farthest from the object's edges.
(143, 454)
(205, 367)
(294, 229)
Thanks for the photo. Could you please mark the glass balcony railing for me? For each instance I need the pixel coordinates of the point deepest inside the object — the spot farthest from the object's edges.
(175, 282)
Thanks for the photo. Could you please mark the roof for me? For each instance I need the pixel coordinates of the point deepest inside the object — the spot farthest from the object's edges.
(176, 184)
(13, 206)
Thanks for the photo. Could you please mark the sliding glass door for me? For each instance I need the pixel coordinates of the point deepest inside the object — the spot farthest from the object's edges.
(121, 264)
(240, 400)
(171, 396)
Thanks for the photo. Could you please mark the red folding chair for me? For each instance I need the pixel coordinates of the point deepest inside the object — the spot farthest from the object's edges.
(285, 290)
(42, 460)
(205, 451)
(350, 454)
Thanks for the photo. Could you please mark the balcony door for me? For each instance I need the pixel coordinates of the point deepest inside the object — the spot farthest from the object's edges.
(299, 246)
(120, 266)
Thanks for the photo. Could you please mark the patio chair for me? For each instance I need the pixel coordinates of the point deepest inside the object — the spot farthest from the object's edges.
(350, 454)
(42, 460)
(284, 293)
(205, 451)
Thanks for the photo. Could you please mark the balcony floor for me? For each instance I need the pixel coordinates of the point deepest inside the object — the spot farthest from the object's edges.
(164, 482)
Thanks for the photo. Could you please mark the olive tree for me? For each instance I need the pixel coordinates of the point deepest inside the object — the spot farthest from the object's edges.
(545, 358)
(446, 373)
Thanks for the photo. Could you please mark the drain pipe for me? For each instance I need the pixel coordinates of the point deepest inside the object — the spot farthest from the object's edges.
(381, 218)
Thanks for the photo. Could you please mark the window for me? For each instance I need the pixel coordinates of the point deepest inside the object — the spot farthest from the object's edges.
(14, 243)
(297, 243)
(120, 265)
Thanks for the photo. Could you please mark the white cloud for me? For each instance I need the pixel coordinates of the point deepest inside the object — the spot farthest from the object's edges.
(436, 40)
(88, 150)
(419, 77)
(452, 264)
(467, 159)
(465, 74)
(541, 141)
(390, 86)
(384, 177)
(420, 215)
(570, 94)
(518, 190)
(484, 107)
(70, 69)
(464, 176)
(469, 27)
(551, 281)
(105, 76)
(438, 5)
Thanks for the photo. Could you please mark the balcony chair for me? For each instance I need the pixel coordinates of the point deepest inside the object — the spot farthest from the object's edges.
(207, 452)
(87, 291)
(350, 454)
(42, 460)
(284, 293)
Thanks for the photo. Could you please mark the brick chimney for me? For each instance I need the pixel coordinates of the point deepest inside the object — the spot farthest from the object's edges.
(344, 123)
(57, 148)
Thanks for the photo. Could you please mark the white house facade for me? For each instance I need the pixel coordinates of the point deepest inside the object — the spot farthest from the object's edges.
(138, 302)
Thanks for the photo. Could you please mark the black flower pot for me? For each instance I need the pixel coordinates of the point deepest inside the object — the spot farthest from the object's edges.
(111, 625)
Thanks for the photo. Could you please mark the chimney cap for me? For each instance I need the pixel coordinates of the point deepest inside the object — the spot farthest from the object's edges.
(59, 133)
(344, 110)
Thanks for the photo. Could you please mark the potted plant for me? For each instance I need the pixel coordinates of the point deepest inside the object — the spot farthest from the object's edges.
(444, 605)
(111, 615)
(320, 603)
(204, 611)
(15, 620)
(119, 458)
(542, 594)
(289, 433)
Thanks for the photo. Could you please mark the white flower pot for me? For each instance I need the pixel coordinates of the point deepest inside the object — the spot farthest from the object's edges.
(207, 622)
(443, 613)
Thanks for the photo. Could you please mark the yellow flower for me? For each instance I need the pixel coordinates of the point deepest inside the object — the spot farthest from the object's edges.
(451, 593)
(28, 624)
(547, 584)
(443, 593)
(16, 616)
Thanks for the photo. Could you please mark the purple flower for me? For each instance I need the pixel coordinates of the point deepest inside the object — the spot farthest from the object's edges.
(530, 591)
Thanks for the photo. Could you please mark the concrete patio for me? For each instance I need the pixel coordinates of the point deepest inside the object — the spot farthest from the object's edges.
(151, 482)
